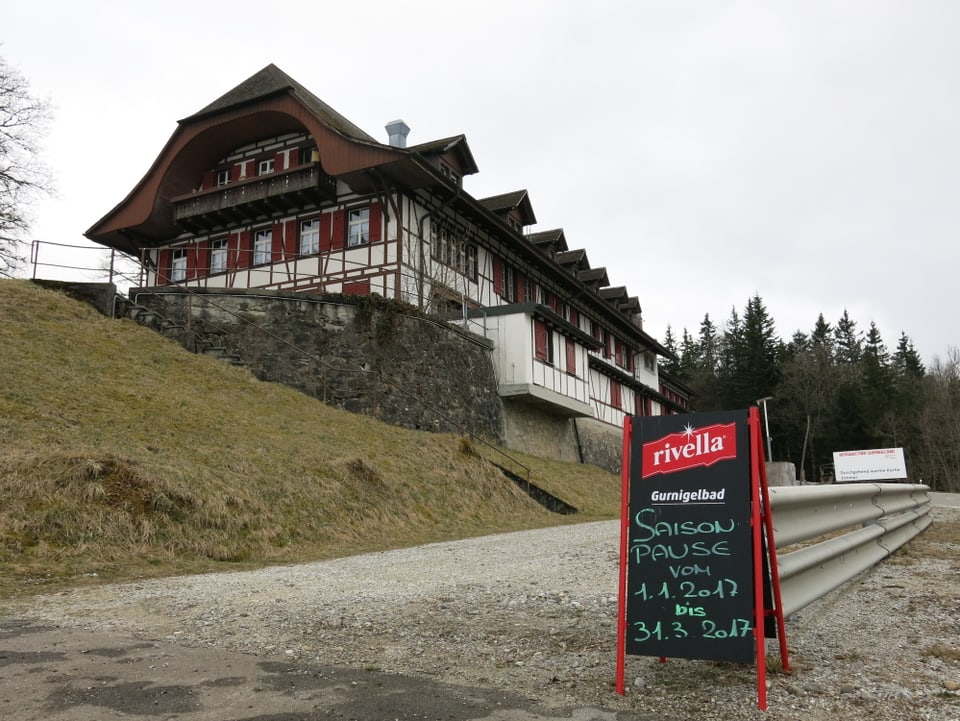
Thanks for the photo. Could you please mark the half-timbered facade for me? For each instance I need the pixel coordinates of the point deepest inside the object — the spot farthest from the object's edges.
(269, 188)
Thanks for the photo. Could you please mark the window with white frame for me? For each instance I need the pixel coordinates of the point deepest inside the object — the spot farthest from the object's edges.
(262, 246)
(468, 262)
(447, 248)
(509, 284)
(178, 265)
(218, 256)
(223, 177)
(310, 236)
(265, 167)
(358, 227)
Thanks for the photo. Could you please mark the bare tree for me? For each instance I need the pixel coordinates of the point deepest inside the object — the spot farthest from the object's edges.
(939, 464)
(23, 178)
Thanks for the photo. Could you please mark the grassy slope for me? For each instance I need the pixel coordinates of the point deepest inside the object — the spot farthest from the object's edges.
(122, 456)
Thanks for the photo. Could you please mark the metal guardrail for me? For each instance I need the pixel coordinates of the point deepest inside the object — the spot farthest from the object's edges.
(877, 519)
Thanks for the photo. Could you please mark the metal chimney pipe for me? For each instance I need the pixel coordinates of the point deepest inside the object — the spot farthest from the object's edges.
(397, 130)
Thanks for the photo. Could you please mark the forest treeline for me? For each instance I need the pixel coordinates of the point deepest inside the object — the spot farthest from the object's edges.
(836, 388)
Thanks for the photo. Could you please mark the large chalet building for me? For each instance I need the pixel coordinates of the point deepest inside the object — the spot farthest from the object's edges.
(269, 188)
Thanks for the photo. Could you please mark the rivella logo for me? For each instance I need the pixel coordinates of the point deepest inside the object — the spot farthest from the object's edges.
(690, 448)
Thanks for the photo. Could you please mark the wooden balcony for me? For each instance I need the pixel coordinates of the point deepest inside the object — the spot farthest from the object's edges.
(240, 203)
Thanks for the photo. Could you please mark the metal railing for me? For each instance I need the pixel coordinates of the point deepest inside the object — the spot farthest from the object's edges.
(875, 520)
(83, 264)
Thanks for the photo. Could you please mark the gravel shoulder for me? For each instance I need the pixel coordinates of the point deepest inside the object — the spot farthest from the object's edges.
(534, 614)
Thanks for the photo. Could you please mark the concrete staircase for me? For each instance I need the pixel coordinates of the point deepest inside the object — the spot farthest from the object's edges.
(205, 342)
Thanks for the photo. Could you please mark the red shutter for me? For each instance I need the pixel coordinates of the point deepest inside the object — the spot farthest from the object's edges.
(358, 288)
(326, 232)
(203, 259)
(276, 242)
(571, 356)
(208, 180)
(574, 318)
(191, 261)
(235, 172)
(233, 243)
(376, 221)
(293, 158)
(244, 256)
(291, 238)
(339, 229)
(163, 267)
(278, 163)
(540, 339)
(521, 296)
(616, 399)
(497, 276)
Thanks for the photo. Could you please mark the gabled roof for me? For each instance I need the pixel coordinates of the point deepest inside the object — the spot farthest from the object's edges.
(266, 104)
(573, 260)
(457, 145)
(551, 242)
(593, 276)
(270, 81)
(630, 305)
(517, 200)
(615, 294)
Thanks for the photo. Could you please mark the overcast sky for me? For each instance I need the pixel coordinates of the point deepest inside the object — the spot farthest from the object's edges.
(701, 150)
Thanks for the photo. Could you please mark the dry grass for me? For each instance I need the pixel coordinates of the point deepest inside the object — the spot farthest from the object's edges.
(123, 456)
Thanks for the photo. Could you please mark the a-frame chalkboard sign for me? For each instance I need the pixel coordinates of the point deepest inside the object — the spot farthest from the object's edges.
(698, 566)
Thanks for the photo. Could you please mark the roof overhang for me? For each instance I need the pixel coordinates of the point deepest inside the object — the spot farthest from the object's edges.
(145, 216)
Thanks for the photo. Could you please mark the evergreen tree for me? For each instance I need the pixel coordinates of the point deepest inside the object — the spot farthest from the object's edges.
(703, 370)
(755, 352)
(822, 334)
(690, 357)
(798, 344)
(848, 343)
(834, 389)
(908, 402)
(877, 389)
(671, 365)
(906, 360)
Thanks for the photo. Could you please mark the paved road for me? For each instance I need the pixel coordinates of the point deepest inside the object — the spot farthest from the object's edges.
(65, 674)
(947, 500)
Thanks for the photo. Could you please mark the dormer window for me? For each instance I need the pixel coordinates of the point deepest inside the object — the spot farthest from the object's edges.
(449, 173)
(265, 167)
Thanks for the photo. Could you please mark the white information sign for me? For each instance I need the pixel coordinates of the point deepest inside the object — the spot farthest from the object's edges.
(878, 464)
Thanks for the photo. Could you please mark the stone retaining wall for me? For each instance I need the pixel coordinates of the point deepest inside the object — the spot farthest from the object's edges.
(360, 353)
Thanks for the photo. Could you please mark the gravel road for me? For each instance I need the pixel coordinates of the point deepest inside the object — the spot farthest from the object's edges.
(534, 614)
